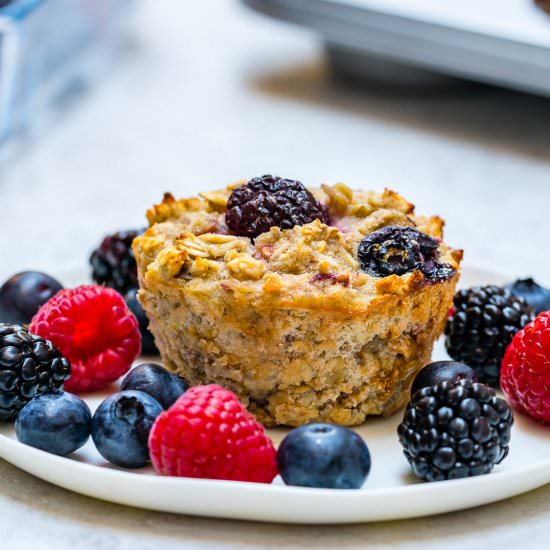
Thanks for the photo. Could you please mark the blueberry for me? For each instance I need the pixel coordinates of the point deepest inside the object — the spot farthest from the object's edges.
(323, 455)
(121, 426)
(22, 295)
(442, 371)
(396, 250)
(156, 381)
(56, 422)
(535, 295)
(148, 346)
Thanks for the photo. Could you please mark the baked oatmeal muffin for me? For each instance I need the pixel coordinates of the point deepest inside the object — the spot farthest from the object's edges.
(317, 304)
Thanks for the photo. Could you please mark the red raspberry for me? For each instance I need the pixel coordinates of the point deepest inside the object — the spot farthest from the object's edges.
(207, 433)
(525, 373)
(92, 327)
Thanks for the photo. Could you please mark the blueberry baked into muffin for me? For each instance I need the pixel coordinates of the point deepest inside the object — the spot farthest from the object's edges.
(310, 304)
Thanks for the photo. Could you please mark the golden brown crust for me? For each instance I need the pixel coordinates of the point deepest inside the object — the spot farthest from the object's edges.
(289, 321)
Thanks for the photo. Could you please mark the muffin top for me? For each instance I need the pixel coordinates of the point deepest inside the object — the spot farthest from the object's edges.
(280, 244)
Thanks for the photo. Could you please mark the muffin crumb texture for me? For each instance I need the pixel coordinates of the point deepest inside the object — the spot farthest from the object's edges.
(288, 319)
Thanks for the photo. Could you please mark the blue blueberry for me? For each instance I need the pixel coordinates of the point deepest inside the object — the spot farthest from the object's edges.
(155, 380)
(324, 455)
(121, 426)
(22, 295)
(56, 422)
(148, 346)
(535, 295)
(442, 371)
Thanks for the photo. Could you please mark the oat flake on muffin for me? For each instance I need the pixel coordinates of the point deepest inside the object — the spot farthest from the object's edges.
(289, 319)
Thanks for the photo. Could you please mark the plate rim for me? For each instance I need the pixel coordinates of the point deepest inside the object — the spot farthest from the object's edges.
(55, 469)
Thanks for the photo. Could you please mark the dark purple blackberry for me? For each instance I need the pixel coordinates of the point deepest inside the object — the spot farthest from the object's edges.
(268, 202)
(441, 371)
(483, 323)
(535, 295)
(29, 366)
(396, 250)
(113, 262)
(455, 429)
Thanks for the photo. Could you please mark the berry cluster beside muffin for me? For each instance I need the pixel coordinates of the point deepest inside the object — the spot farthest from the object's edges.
(310, 304)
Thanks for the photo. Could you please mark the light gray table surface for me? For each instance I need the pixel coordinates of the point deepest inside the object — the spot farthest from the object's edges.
(211, 93)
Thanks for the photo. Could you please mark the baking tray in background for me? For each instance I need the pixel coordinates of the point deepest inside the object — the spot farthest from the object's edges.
(500, 42)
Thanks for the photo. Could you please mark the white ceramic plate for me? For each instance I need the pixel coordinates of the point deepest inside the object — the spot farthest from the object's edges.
(391, 491)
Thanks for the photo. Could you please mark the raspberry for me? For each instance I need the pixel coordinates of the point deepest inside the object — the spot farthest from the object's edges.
(525, 374)
(268, 202)
(207, 433)
(92, 327)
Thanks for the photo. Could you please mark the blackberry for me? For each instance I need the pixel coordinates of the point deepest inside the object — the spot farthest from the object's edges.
(113, 262)
(268, 202)
(483, 323)
(455, 429)
(396, 250)
(29, 365)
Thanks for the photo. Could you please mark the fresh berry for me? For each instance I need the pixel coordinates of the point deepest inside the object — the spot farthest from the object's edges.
(484, 321)
(535, 295)
(56, 422)
(29, 365)
(525, 374)
(121, 426)
(164, 386)
(113, 262)
(455, 429)
(441, 371)
(94, 329)
(396, 250)
(148, 346)
(207, 433)
(324, 455)
(22, 295)
(268, 202)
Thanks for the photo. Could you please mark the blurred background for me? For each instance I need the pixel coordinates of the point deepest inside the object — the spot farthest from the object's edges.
(187, 96)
